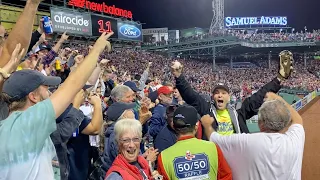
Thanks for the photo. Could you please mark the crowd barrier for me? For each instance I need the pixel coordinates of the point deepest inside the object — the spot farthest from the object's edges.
(252, 123)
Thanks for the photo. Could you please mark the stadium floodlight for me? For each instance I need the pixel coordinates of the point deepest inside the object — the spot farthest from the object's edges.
(218, 15)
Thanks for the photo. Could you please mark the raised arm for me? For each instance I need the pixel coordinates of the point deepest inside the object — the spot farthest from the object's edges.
(76, 80)
(21, 33)
(63, 38)
(144, 76)
(11, 65)
(190, 96)
(35, 38)
(252, 104)
(54, 51)
(94, 127)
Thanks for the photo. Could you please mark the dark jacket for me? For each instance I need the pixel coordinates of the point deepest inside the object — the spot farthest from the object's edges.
(34, 39)
(68, 121)
(248, 109)
(109, 86)
(166, 138)
(110, 148)
(158, 120)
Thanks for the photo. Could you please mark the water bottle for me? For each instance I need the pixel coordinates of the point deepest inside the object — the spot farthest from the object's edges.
(47, 26)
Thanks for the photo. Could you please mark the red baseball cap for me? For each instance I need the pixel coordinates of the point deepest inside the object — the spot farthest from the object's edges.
(164, 90)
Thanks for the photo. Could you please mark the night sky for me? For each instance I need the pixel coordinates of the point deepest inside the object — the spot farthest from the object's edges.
(180, 14)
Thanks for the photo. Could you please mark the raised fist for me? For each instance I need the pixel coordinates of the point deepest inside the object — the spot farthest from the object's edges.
(176, 68)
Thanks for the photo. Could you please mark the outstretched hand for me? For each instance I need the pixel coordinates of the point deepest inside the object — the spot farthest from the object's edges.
(14, 60)
(64, 36)
(103, 42)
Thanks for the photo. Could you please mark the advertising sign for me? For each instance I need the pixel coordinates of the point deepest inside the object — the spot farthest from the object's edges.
(298, 105)
(154, 31)
(101, 7)
(263, 20)
(129, 30)
(309, 98)
(304, 101)
(313, 95)
(102, 24)
(73, 22)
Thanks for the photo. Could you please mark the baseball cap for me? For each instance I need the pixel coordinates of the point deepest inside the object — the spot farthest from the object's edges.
(137, 77)
(116, 110)
(148, 81)
(132, 86)
(44, 47)
(22, 82)
(185, 116)
(221, 86)
(85, 87)
(164, 90)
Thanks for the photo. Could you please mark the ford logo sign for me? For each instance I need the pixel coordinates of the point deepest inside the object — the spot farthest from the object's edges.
(130, 31)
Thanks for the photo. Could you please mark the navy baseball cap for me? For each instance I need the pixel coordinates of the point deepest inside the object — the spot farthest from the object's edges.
(116, 110)
(44, 47)
(21, 83)
(185, 116)
(132, 85)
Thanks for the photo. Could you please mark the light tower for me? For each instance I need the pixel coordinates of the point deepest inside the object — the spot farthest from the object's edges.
(218, 15)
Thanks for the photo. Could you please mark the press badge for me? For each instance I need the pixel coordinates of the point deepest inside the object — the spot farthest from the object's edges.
(76, 133)
(192, 166)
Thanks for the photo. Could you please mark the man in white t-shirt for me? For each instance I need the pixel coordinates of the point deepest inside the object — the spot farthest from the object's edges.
(275, 153)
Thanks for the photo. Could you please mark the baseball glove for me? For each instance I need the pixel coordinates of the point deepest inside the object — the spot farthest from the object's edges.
(286, 64)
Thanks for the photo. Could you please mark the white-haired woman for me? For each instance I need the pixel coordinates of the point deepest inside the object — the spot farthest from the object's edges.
(129, 164)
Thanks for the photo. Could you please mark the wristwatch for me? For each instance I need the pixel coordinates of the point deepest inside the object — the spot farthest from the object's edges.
(4, 74)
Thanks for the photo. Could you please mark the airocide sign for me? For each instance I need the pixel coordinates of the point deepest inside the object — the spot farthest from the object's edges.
(70, 21)
(101, 7)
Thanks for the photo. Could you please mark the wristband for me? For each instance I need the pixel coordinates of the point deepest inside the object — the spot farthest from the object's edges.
(281, 77)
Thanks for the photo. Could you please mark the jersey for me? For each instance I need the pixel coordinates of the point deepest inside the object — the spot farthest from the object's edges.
(225, 126)
(190, 159)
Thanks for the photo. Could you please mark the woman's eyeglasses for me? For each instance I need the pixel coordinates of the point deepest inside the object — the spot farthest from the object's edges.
(128, 140)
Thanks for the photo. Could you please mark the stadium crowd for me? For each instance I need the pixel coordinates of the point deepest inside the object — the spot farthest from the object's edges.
(95, 112)
(248, 36)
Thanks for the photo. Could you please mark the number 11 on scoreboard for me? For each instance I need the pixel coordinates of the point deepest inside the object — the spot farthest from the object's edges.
(103, 25)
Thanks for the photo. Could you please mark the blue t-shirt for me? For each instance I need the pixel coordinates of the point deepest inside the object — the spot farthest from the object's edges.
(78, 147)
(26, 148)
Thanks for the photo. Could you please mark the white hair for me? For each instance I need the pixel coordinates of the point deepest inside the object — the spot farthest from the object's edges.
(274, 115)
(119, 92)
(127, 125)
